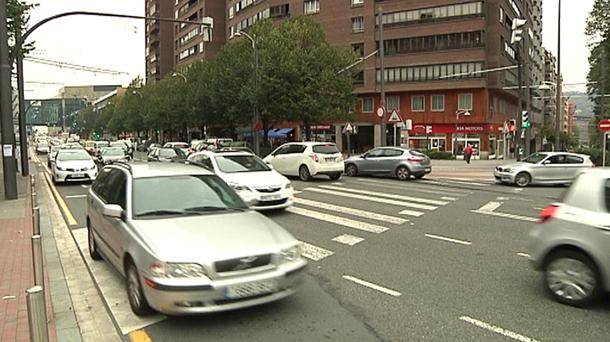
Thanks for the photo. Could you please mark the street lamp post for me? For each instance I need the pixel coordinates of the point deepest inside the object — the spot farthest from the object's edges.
(256, 118)
(457, 118)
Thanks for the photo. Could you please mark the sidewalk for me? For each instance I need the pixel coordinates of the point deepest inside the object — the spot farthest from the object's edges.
(480, 170)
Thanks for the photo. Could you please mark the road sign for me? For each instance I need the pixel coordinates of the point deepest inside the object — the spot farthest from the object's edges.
(409, 124)
(349, 128)
(394, 117)
(604, 125)
(380, 111)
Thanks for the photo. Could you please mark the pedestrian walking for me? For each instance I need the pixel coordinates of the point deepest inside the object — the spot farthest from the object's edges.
(468, 153)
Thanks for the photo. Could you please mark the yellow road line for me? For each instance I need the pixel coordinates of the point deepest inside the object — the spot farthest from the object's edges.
(139, 336)
(60, 201)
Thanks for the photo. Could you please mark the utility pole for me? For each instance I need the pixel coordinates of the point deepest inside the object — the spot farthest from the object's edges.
(9, 167)
(23, 135)
(558, 126)
(528, 89)
(382, 71)
(63, 110)
(518, 139)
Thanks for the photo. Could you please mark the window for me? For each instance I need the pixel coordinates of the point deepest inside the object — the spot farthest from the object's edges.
(296, 148)
(357, 3)
(312, 6)
(417, 103)
(432, 13)
(438, 103)
(501, 15)
(390, 152)
(430, 72)
(368, 105)
(279, 11)
(375, 153)
(558, 159)
(574, 160)
(357, 24)
(231, 12)
(465, 102)
(358, 49)
(392, 102)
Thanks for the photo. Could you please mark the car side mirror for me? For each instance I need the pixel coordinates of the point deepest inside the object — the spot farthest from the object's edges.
(269, 166)
(113, 210)
(363, 156)
(546, 162)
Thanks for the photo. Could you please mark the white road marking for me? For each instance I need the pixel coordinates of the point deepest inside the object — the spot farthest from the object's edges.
(412, 187)
(467, 183)
(351, 211)
(525, 255)
(411, 213)
(367, 227)
(112, 288)
(392, 196)
(296, 192)
(497, 330)
(509, 216)
(364, 198)
(347, 239)
(337, 183)
(518, 190)
(535, 208)
(502, 198)
(443, 238)
(490, 206)
(314, 253)
(446, 198)
(76, 196)
(372, 286)
(85, 186)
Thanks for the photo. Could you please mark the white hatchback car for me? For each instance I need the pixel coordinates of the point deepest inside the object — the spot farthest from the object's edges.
(307, 159)
(256, 183)
(74, 165)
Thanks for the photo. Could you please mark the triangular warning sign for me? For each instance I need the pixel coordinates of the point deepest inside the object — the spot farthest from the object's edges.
(394, 117)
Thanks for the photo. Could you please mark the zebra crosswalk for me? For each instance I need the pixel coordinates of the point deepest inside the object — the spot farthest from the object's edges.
(356, 212)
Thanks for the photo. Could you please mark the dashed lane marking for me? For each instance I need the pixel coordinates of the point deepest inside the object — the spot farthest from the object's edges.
(314, 253)
(508, 216)
(347, 239)
(498, 330)
(392, 196)
(75, 196)
(367, 227)
(490, 206)
(444, 238)
(411, 213)
(446, 198)
(411, 187)
(351, 211)
(366, 198)
(525, 255)
(370, 285)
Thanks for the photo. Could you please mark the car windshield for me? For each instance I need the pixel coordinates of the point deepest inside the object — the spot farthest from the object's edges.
(113, 152)
(73, 155)
(326, 149)
(535, 158)
(240, 163)
(183, 195)
(169, 153)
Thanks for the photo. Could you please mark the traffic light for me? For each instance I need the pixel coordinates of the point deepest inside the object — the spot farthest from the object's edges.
(517, 34)
(525, 119)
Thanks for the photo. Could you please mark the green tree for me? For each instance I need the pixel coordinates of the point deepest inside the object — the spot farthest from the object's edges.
(17, 20)
(85, 121)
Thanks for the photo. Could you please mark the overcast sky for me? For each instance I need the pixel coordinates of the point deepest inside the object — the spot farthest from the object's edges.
(118, 44)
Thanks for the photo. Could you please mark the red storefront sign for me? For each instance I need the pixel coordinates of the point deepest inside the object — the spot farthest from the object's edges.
(449, 128)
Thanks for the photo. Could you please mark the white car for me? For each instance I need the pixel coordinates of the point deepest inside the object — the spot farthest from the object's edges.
(42, 148)
(181, 145)
(74, 165)
(256, 183)
(307, 159)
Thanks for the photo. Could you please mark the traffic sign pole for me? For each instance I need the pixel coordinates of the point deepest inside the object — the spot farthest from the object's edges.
(604, 149)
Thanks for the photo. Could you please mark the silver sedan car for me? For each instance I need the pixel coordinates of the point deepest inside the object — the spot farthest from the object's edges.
(571, 245)
(544, 168)
(186, 242)
(399, 162)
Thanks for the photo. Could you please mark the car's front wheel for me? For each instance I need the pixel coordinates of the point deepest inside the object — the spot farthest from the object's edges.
(304, 174)
(351, 170)
(523, 179)
(403, 173)
(335, 176)
(572, 278)
(137, 301)
(93, 252)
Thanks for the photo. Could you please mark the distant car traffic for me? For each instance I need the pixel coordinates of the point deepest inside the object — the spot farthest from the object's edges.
(73, 165)
(186, 242)
(181, 145)
(544, 168)
(55, 149)
(166, 154)
(112, 154)
(42, 147)
(90, 146)
(307, 159)
(402, 163)
(256, 183)
(572, 243)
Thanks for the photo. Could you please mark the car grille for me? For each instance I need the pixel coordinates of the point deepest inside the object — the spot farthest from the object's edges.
(76, 170)
(270, 203)
(268, 189)
(245, 263)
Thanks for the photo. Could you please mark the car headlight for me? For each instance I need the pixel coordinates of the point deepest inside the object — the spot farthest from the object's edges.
(507, 170)
(239, 187)
(288, 186)
(59, 167)
(177, 270)
(290, 254)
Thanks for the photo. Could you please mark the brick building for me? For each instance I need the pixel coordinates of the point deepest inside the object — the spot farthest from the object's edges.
(159, 39)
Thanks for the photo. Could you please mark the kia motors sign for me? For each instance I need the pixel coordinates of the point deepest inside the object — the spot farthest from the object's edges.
(604, 125)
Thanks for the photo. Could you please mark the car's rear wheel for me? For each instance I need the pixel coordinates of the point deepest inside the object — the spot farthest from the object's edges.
(335, 176)
(304, 174)
(403, 173)
(137, 301)
(93, 252)
(351, 170)
(523, 179)
(572, 278)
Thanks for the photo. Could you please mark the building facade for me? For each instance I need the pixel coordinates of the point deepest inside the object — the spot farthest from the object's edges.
(549, 95)
(159, 39)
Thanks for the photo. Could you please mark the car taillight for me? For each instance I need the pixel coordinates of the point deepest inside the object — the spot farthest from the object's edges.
(548, 212)
(315, 157)
(416, 159)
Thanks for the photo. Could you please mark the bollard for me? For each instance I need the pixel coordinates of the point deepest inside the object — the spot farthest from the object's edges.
(37, 260)
(37, 314)
(34, 198)
(36, 221)
(33, 181)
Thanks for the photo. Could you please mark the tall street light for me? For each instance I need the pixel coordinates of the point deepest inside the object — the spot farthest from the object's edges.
(256, 116)
(558, 124)
(457, 118)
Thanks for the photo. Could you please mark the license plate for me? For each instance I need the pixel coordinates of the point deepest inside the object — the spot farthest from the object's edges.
(250, 289)
(271, 197)
(78, 175)
(330, 159)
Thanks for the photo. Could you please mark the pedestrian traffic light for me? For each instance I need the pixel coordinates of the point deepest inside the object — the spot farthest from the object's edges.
(525, 119)
(517, 34)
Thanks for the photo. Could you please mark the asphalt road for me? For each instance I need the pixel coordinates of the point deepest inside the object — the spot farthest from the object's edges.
(424, 265)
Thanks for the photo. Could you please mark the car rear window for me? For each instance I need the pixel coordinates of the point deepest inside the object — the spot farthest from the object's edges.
(607, 195)
(326, 149)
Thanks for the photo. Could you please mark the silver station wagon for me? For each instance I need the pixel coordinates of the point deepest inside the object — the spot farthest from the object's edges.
(186, 242)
